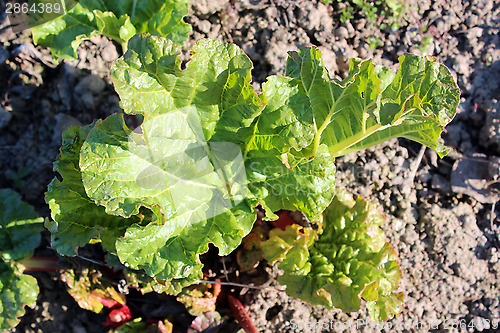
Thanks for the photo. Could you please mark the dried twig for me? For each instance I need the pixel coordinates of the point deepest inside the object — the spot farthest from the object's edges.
(492, 218)
(240, 285)
(224, 267)
(99, 263)
(414, 166)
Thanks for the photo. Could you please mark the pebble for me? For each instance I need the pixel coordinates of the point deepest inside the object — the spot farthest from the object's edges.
(204, 26)
(475, 32)
(424, 175)
(109, 53)
(90, 83)
(440, 184)
(350, 29)
(341, 32)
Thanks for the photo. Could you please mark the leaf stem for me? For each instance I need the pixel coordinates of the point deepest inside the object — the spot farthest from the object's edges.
(342, 148)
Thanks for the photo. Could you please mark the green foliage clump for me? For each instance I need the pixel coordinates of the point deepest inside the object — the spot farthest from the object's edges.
(118, 20)
(20, 229)
(381, 13)
(345, 261)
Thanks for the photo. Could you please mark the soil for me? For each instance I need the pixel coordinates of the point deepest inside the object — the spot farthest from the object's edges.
(441, 213)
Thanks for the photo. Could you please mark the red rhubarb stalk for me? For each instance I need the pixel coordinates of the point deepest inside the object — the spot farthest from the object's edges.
(40, 264)
(241, 315)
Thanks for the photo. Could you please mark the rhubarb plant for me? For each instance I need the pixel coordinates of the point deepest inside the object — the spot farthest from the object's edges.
(347, 259)
(118, 20)
(210, 149)
(20, 229)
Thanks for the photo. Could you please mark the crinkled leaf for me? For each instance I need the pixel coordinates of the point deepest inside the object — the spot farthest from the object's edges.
(171, 251)
(307, 187)
(20, 227)
(16, 291)
(88, 288)
(286, 120)
(198, 300)
(146, 284)
(349, 260)
(370, 106)
(66, 32)
(192, 198)
(250, 254)
(77, 219)
(118, 20)
(186, 162)
(295, 240)
(216, 82)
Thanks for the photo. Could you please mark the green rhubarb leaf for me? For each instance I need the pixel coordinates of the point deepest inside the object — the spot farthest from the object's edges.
(66, 32)
(16, 291)
(307, 187)
(20, 227)
(170, 251)
(216, 85)
(43, 11)
(286, 120)
(146, 284)
(348, 261)
(172, 174)
(118, 20)
(216, 82)
(370, 106)
(75, 218)
(295, 240)
(187, 161)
